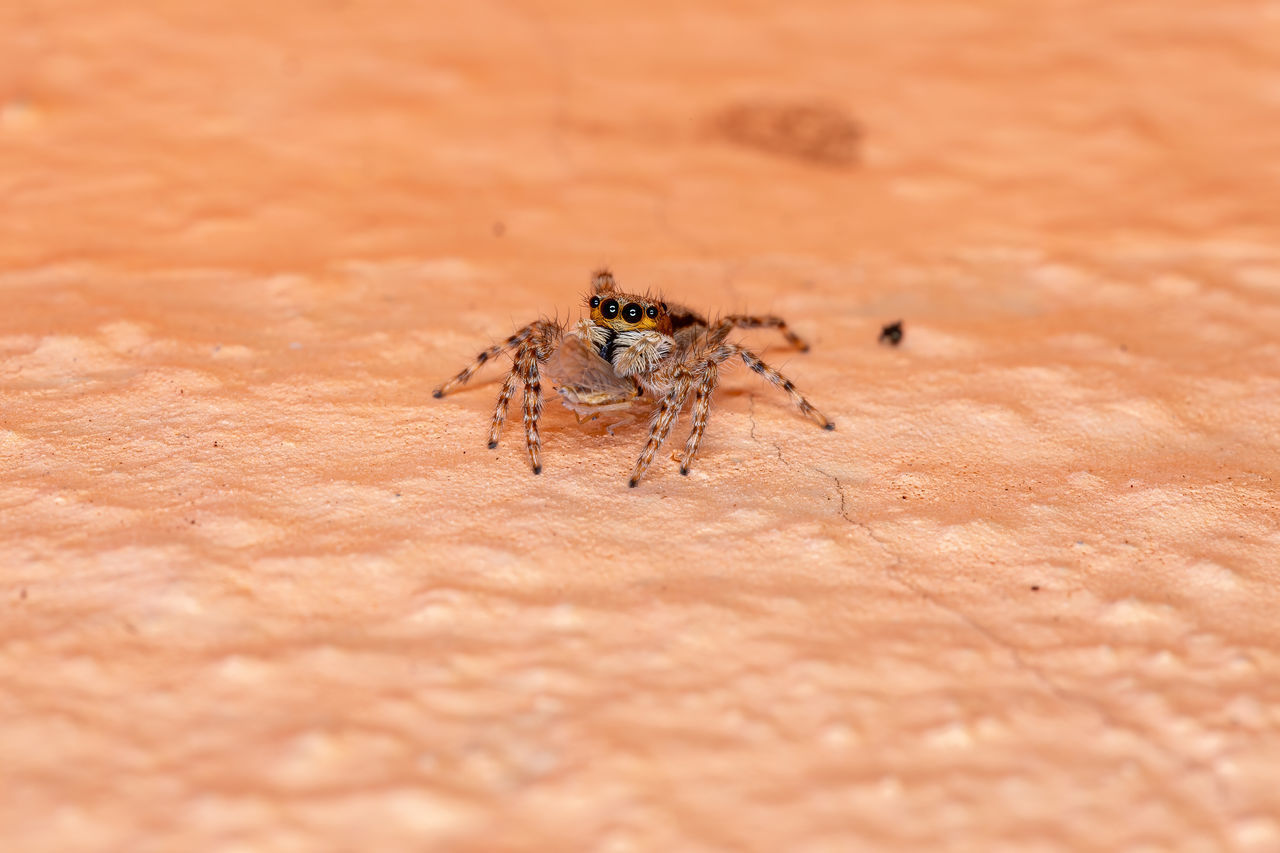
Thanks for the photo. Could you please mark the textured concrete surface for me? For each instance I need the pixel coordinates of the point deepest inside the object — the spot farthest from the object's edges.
(261, 592)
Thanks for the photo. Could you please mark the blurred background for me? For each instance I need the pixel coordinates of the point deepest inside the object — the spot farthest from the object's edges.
(263, 593)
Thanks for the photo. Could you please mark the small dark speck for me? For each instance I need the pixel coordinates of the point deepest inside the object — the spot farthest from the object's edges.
(1035, 588)
(397, 494)
(215, 444)
(904, 497)
(829, 426)
(492, 445)
(437, 394)
(891, 334)
(499, 228)
(24, 593)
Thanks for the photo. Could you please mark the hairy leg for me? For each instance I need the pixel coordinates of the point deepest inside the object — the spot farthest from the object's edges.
(660, 428)
(528, 367)
(539, 329)
(774, 377)
(523, 372)
(701, 411)
(533, 345)
(602, 280)
(500, 413)
(752, 321)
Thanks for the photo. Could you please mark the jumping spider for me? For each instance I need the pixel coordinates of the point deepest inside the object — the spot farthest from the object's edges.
(629, 345)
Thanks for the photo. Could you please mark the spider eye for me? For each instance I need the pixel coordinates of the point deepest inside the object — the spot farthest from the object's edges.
(651, 311)
(609, 309)
(632, 313)
(595, 302)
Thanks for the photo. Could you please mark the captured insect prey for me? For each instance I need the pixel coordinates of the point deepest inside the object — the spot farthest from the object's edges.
(630, 347)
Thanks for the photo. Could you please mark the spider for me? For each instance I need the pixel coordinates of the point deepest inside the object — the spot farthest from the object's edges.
(628, 346)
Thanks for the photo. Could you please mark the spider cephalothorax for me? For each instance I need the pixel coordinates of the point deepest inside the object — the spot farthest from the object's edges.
(628, 345)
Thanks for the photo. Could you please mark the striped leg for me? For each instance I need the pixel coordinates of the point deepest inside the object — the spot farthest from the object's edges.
(492, 352)
(500, 413)
(701, 410)
(602, 280)
(768, 321)
(524, 372)
(662, 423)
(776, 378)
(528, 367)
(533, 344)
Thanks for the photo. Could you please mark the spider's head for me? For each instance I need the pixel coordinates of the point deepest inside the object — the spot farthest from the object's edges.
(624, 312)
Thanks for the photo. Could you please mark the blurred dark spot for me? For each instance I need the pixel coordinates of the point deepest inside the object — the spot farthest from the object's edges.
(1035, 588)
(891, 334)
(814, 133)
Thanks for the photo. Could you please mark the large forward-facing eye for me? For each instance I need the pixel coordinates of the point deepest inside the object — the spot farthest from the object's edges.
(632, 313)
(609, 309)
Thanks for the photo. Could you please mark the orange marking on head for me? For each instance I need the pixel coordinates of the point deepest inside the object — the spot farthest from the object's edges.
(617, 303)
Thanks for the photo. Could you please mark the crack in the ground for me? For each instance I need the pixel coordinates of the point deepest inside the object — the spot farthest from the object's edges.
(751, 415)
(1108, 718)
(892, 569)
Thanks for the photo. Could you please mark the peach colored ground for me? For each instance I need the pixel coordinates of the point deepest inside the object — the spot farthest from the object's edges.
(261, 592)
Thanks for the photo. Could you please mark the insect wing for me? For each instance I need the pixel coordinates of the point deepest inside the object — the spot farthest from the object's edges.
(583, 377)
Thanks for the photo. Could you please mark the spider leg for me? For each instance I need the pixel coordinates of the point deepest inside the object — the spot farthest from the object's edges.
(527, 364)
(533, 344)
(701, 411)
(753, 321)
(492, 352)
(602, 280)
(500, 413)
(776, 378)
(523, 372)
(660, 428)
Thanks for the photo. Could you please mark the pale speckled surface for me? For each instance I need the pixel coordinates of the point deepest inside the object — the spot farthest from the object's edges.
(262, 592)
